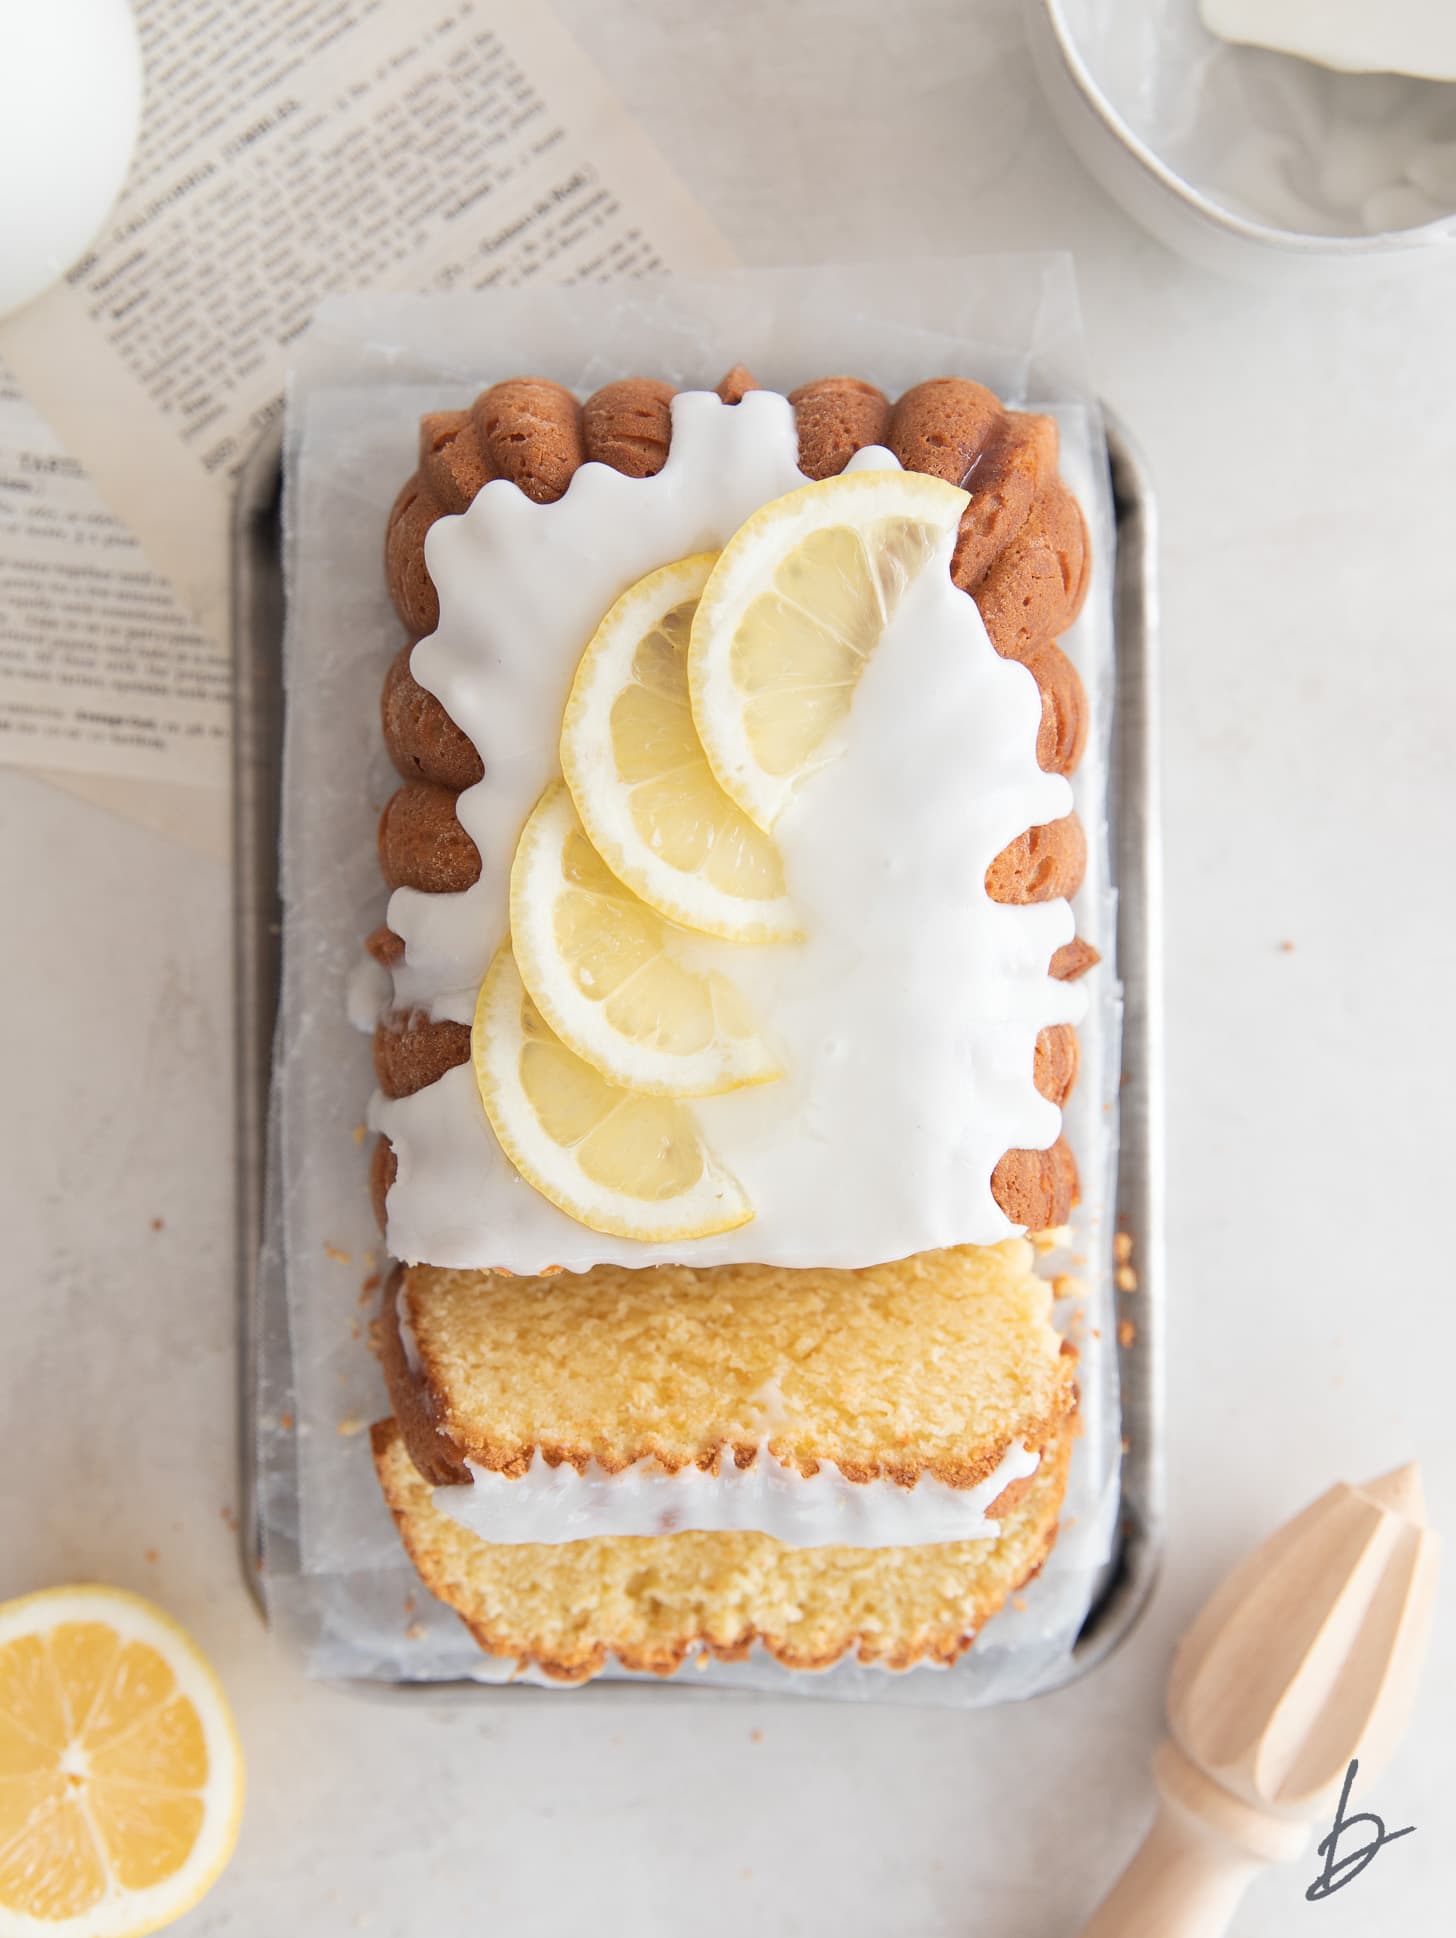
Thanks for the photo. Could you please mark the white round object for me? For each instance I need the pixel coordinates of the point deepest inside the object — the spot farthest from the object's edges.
(70, 106)
(1257, 164)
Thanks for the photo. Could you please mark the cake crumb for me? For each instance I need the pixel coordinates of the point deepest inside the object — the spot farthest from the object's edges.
(159, 1224)
(1122, 1246)
(371, 1260)
(755, 1736)
(1127, 1443)
(548, 1271)
(228, 1518)
(349, 1426)
(1018, 1602)
(285, 1420)
(702, 1661)
(1097, 1332)
(152, 1555)
(1125, 1279)
(1126, 1332)
(415, 1632)
(339, 1256)
(368, 1288)
(361, 1131)
(1065, 1286)
(410, 1604)
(1051, 1239)
(1286, 948)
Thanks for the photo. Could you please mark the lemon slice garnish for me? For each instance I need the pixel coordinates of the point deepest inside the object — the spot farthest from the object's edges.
(121, 1779)
(606, 971)
(614, 1160)
(641, 781)
(790, 615)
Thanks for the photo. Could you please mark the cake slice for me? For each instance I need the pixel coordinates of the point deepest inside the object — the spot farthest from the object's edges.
(888, 1444)
(930, 1368)
(638, 628)
(650, 1602)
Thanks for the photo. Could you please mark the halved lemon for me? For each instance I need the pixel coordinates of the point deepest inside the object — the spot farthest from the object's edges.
(612, 1159)
(641, 781)
(790, 615)
(607, 976)
(121, 1777)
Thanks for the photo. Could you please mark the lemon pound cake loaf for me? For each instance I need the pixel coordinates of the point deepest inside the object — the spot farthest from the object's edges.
(904, 1427)
(729, 991)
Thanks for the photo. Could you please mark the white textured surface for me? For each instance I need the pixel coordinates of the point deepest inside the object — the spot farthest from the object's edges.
(1304, 451)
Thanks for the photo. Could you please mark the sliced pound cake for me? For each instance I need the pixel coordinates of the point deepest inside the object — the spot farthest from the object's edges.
(643, 1463)
(648, 1603)
(929, 1369)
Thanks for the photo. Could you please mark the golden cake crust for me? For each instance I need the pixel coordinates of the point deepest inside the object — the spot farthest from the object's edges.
(430, 1448)
(1058, 1056)
(502, 1368)
(1038, 1189)
(837, 416)
(383, 1165)
(423, 741)
(411, 1051)
(1023, 537)
(1073, 960)
(1042, 865)
(422, 844)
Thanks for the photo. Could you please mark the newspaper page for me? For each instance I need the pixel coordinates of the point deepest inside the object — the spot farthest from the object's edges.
(101, 667)
(289, 148)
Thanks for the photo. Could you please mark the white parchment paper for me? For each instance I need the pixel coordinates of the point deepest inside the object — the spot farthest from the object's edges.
(335, 1577)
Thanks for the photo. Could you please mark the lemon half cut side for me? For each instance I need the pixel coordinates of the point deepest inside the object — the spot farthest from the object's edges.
(121, 1776)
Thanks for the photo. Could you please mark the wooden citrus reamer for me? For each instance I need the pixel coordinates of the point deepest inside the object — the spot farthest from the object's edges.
(1307, 1656)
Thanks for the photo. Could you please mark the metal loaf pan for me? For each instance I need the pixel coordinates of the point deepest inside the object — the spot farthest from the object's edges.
(1135, 823)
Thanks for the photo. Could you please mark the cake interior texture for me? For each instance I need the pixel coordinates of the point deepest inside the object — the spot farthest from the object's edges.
(933, 1364)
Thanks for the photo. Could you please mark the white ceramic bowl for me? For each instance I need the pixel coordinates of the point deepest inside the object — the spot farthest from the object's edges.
(70, 106)
(1250, 162)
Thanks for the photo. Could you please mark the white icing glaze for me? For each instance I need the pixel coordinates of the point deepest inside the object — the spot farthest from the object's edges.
(369, 993)
(908, 1019)
(552, 1504)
